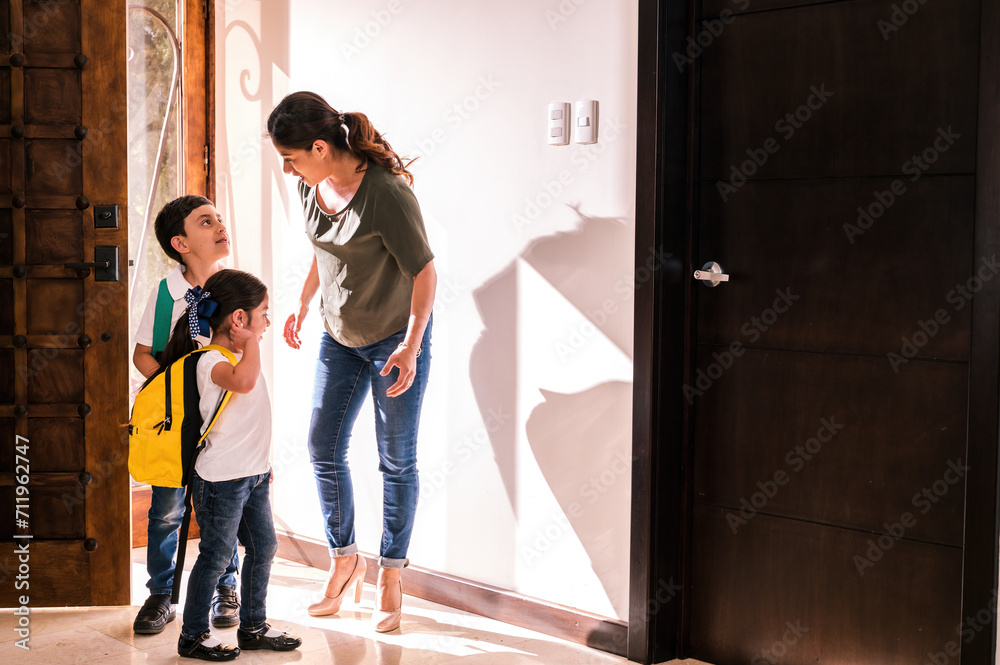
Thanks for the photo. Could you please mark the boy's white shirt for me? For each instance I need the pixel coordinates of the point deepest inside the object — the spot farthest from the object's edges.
(239, 444)
(177, 286)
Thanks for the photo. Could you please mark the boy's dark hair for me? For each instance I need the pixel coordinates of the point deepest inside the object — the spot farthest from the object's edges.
(232, 290)
(170, 221)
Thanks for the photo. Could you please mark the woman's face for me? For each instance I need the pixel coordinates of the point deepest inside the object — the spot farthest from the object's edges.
(309, 166)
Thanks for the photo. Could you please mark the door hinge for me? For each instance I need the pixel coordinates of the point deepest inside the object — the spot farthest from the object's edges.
(205, 154)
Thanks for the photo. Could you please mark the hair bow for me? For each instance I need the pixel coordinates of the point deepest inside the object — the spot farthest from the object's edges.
(200, 310)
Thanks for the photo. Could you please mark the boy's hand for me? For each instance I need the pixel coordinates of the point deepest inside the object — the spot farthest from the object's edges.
(293, 325)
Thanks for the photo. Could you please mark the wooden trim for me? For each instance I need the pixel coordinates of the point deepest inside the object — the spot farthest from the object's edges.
(662, 319)
(196, 102)
(979, 574)
(502, 605)
(105, 364)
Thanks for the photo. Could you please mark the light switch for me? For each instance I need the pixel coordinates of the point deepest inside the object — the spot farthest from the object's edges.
(586, 121)
(559, 123)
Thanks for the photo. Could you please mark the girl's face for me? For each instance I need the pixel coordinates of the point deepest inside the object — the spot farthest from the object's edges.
(259, 319)
(310, 166)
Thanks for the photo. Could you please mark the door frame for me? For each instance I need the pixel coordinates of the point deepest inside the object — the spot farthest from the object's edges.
(664, 323)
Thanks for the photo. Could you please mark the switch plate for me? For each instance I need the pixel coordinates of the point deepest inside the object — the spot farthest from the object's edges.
(559, 123)
(586, 121)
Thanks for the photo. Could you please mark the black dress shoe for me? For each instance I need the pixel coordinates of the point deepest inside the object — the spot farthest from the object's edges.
(156, 613)
(196, 649)
(225, 608)
(251, 641)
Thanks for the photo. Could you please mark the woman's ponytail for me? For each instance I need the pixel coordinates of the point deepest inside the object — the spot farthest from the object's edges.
(179, 345)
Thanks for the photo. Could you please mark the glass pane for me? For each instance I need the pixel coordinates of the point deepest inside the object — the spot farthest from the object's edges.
(154, 140)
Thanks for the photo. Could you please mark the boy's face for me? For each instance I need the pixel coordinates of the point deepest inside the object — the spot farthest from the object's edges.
(205, 237)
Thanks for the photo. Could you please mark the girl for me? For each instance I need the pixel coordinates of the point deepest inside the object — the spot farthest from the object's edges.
(231, 475)
(375, 273)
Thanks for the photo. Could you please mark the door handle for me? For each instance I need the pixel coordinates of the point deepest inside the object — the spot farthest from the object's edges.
(105, 264)
(711, 274)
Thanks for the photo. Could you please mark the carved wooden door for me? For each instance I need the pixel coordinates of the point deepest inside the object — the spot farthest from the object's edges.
(64, 488)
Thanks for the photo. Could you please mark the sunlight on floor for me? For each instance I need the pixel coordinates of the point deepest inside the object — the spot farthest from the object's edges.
(429, 634)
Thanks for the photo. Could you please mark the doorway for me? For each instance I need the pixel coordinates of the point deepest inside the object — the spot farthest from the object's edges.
(821, 426)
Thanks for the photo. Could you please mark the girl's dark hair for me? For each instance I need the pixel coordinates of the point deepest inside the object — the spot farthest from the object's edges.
(233, 290)
(304, 117)
(170, 221)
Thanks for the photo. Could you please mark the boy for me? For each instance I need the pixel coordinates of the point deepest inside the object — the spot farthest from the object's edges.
(191, 232)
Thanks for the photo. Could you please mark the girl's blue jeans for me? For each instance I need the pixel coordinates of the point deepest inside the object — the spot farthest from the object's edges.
(344, 375)
(226, 511)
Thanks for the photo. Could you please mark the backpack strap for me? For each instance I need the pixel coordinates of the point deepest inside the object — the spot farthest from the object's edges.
(161, 320)
(186, 522)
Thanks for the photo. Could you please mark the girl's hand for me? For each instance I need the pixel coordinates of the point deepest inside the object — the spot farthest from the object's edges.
(293, 325)
(405, 358)
(241, 336)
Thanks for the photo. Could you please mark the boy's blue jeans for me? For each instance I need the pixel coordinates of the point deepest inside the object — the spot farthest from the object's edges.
(343, 377)
(227, 510)
(166, 511)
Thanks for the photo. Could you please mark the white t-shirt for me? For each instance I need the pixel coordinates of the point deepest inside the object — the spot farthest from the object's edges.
(177, 286)
(239, 444)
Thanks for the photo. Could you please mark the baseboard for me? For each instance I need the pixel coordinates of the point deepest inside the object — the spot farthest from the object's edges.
(610, 635)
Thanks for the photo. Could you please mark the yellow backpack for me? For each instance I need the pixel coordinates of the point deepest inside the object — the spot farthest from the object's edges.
(164, 433)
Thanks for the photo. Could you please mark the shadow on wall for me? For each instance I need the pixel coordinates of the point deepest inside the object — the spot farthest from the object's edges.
(581, 441)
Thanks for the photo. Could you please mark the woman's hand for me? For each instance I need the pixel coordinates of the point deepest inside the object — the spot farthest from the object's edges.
(293, 325)
(405, 358)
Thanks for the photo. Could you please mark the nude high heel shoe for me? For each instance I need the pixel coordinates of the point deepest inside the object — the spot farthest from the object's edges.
(383, 621)
(331, 604)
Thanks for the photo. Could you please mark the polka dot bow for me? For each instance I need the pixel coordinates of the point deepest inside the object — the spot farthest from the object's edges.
(200, 310)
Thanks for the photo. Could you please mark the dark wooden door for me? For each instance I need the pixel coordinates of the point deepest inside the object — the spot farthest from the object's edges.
(63, 331)
(835, 182)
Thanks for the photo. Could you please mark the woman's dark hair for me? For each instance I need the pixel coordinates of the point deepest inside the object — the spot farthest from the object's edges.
(304, 117)
(170, 221)
(232, 290)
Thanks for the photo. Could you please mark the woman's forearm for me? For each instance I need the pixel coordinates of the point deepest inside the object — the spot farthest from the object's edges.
(311, 285)
(421, 304)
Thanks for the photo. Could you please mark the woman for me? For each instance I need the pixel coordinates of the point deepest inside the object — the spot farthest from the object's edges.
(375, 273)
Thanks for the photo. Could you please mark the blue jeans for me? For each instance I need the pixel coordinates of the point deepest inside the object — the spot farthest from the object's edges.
(344, 376)
(227, 510)
(166, 511)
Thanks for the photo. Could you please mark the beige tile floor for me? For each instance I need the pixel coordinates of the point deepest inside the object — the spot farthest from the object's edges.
(430, 634)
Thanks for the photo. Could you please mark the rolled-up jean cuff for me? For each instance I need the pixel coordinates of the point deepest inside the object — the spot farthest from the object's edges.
(344, 551)
(160, 592)
(393, 563)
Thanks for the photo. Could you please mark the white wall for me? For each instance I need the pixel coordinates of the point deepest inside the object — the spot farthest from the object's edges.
(526, 431)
